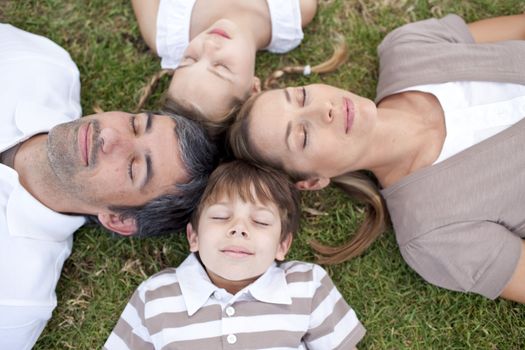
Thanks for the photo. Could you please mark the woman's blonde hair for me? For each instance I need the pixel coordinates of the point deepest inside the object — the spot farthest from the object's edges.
(356, 184)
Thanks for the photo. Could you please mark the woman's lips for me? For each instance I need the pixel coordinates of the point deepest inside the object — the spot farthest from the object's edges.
(349, 112)
(220, 32)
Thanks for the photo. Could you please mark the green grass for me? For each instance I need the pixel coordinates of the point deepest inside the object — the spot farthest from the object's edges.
(399, 310)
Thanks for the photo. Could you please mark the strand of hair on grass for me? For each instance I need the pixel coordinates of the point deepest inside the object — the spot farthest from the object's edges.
(339, 56)
(148, 89)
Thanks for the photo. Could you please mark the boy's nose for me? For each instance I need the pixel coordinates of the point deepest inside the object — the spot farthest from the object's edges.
(238, 231)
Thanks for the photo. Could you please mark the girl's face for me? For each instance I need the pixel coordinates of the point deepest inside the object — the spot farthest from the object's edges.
(318, 130)
(216, 71)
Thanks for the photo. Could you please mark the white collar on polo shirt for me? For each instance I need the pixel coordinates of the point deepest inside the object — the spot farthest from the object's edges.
(197, 288)
(28, 217)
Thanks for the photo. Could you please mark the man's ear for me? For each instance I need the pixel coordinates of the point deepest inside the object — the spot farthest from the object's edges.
(312, 184)
(256, 85)
(283, 247)
(193, 238)
(113, 222)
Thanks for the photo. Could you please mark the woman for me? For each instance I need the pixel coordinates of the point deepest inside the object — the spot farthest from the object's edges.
(209, 46)
(434, 141)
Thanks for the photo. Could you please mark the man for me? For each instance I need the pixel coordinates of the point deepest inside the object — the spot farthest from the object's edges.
(134, 174)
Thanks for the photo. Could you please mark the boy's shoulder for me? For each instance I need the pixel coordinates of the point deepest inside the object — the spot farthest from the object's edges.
(301, 271)
(163, 278)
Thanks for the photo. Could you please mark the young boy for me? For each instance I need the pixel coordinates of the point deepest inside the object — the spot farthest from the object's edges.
(230, 292)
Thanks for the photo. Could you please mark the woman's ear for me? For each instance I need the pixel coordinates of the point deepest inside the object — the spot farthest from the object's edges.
(283, 247)
(193, 238)
(113, 222)
(312, 184)
(256, 85)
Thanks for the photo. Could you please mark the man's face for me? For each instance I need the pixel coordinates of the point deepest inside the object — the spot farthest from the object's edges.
(115, 159)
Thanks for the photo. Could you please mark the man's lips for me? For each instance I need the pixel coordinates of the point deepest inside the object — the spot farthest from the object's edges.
(236, 252)
(349, 112)
(84, 132)
(220, 32)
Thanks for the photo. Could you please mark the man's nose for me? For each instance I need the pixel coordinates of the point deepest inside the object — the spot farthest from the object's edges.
(113, 141)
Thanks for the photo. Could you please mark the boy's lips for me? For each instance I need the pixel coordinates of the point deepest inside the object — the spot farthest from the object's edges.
(349, 112)
(236, 251)
(220, 32)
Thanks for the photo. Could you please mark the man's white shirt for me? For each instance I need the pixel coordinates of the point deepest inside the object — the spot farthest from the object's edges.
(39, 88)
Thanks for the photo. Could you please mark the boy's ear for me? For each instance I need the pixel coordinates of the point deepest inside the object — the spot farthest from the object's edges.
(256, 85)
(193, 238)
(283, 247)
(314, 183)
(113, 222)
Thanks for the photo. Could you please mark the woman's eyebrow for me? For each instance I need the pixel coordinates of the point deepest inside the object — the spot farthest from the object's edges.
(287, 95)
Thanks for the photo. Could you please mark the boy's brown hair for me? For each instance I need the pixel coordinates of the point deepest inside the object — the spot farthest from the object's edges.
(253, 183)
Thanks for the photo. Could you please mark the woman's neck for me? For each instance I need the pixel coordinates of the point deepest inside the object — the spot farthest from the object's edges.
(411, 133)
(253, 17)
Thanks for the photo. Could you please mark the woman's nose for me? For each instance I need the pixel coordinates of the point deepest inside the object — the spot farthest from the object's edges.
(322, 111)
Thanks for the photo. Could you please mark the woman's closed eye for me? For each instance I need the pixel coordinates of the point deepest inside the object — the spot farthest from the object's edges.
(301, 96)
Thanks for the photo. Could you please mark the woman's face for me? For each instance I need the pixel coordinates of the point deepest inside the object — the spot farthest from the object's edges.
(216, 71)
(317, 130)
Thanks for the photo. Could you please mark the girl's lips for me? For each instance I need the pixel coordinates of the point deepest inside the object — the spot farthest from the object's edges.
(349, 112)
(83, 142)
(220, 32)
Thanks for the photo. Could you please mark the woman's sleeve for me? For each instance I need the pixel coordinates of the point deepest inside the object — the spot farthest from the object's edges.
(475, 256)
(437, 51)
(333, 323)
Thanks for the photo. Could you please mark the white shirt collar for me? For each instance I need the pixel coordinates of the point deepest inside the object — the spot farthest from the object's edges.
(28, 217)
(197, 287)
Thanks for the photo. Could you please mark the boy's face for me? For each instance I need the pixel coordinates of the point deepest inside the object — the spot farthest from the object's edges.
(237, 240)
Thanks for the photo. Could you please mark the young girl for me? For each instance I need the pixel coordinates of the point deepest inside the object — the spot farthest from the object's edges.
(210, 46)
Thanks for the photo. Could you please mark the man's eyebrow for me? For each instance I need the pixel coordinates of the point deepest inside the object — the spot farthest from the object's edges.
(287, 134)
(149, 173)
(149, 121)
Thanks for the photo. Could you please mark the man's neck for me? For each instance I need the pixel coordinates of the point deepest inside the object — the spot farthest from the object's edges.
(35, 175)
(7, 157)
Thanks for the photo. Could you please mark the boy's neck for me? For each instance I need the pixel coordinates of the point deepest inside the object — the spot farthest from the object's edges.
(231, 287)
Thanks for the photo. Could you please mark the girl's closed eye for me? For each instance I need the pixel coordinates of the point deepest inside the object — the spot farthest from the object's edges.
(303, 102)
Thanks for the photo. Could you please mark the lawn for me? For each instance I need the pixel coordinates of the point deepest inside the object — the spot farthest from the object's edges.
(399, 310)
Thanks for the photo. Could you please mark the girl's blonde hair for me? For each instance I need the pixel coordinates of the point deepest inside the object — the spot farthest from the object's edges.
(214, 129)
(356, 184)
(339, 56)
